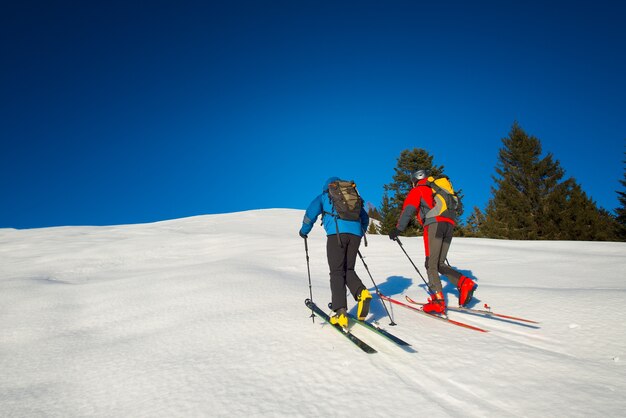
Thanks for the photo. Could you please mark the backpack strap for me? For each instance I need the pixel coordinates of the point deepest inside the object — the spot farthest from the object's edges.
(334, 216)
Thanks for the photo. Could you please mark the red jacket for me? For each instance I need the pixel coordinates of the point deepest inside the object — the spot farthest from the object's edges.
(419, 203)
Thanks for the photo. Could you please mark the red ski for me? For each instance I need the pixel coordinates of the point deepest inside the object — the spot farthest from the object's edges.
(435, 316)
(484, 312)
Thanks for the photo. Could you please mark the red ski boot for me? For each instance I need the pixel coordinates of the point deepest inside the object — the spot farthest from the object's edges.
(436, 304)
(466, 290)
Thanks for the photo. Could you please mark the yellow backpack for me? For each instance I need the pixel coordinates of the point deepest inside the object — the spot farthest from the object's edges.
(446, 201)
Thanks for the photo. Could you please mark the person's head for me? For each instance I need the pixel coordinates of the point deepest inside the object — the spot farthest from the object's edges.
(418, 175)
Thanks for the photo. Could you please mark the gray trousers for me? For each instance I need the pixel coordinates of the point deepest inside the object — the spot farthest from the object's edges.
(341, 262)
(437, 239)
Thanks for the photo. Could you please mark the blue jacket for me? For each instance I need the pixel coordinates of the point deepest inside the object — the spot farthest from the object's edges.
(322, 204)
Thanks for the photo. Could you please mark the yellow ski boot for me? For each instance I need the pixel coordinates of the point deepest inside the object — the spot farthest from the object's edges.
(363, 308)
(340, 318)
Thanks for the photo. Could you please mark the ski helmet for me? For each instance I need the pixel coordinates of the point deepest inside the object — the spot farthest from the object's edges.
(419, 174)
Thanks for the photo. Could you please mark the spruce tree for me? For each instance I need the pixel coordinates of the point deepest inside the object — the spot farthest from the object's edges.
(524, 182)
(375, 219)
(474, 223)
(579, 218)
(372, 212)
(396, 191)
(388, 221)
(621, 210)
(529, 200)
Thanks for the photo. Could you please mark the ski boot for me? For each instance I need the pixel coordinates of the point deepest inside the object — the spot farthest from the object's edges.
(340, 318)
(466, 290)
(436, 304)
(363, 307)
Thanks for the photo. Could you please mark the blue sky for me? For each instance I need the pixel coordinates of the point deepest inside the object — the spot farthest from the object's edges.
(128, 112)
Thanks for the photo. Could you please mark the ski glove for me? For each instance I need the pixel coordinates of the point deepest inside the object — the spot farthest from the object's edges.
(305, 236)
(393, 234)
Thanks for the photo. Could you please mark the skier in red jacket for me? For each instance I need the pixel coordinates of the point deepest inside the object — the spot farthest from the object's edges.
(438, 223)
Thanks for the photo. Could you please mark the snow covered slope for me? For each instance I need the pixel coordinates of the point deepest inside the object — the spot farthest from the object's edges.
(205, 316)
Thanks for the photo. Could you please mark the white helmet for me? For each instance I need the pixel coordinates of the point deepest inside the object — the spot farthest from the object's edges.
(419, 174)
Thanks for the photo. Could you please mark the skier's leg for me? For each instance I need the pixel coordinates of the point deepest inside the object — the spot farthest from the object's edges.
(432, 269)
(353, 281)
(336, 263)
(446, 230)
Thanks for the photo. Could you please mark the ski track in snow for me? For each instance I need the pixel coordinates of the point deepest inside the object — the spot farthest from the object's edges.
(205, 316)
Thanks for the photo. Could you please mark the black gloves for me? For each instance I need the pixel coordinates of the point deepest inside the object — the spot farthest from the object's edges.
(393, 234)
(305, 236)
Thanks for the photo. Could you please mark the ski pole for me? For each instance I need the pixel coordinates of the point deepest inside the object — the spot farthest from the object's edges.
(407, 256)
(376, 287)
(308, 269)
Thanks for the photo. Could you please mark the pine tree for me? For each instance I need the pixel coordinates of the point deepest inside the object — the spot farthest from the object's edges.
(531, 202)
(388, 221)
(580, 219)
(621, 210)
(375, 219)
(396, 191)
(372, 212)
(474, 223)
(524, 182)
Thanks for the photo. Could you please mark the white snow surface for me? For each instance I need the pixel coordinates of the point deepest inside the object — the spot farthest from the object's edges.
(205, 316)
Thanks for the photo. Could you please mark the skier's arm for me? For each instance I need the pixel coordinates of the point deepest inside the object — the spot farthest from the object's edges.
(409, 209)
(365, 220)
(313, 211)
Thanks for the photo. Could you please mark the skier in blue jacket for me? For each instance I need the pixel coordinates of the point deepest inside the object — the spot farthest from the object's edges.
(342, 246)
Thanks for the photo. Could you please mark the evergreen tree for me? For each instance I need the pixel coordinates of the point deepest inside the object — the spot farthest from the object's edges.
(388, 221)
(621, 210)
(474, 223)
(531, 202)
(580, 219)
(609, 226)
(396, 191)
(373, 213)
(524, 182)
(375, 219)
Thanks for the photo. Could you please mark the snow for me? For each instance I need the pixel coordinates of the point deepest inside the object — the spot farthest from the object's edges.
(205, 316)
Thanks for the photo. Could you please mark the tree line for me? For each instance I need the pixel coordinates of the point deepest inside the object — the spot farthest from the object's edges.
(530, 200)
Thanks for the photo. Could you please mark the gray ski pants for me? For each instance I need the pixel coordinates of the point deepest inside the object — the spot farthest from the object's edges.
(437, 240)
